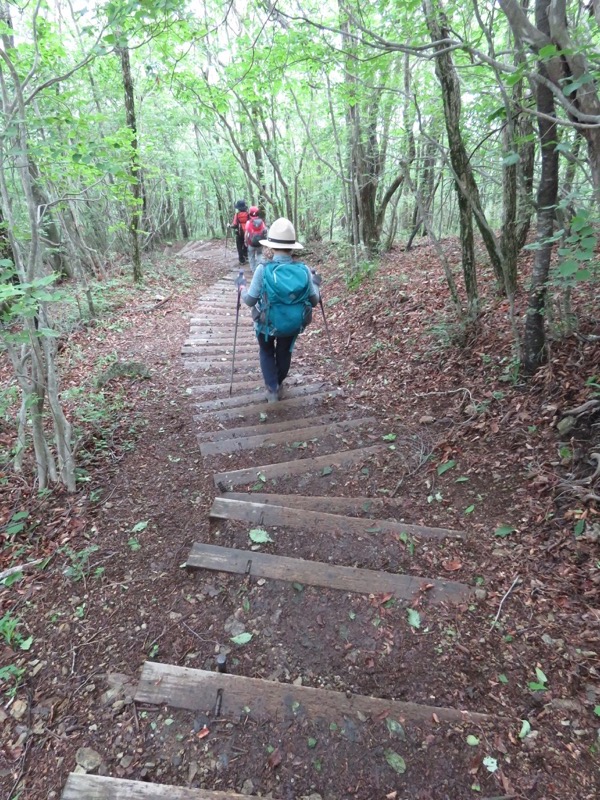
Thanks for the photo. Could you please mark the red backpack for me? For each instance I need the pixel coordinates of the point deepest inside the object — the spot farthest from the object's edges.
(255, 231)
(242, 218)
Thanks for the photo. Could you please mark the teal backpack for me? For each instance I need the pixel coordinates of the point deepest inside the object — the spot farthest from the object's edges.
(286, 308)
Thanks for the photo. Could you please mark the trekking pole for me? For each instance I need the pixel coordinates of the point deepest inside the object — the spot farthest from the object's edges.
(325, 321)
(239, 282)
(323, 312)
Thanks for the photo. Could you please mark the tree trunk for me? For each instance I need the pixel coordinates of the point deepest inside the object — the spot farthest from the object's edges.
(446, 74)
(49, 227)
(572, 75)
(534, 342)
(183, 224)
(136, 184)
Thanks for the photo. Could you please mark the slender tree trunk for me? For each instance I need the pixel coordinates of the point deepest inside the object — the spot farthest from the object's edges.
(183, 224)
(526, 149)
(50, 228)
(534, 342)
(136, 184)
(459, 159)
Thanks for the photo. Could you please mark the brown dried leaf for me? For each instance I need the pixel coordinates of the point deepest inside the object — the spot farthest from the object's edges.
(452, 565)
(274, 760)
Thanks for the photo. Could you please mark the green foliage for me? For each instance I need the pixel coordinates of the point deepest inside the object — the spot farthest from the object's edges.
(11, 635)
(78, 566)
(10, 678)
(577, 254)
(364, 271)
(22, 300)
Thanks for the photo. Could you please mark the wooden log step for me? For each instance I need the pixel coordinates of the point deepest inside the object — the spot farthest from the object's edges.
(224, 319)
(282, 437)
(223, 363)
(226, 297)
(263, 427)
(247, 368)
(189, 246)
(245, 340)
(273, 410)
(343, 458)
(97, 787)
(214, 351)
(245, 331)
(230, 402)
(225, 322)
(324, 522)
(225, 332)
(224, 294)
(318, 573)
(332, 505)
(198, 690)
(244, 337)
(223, 385)
(244, 321)
(219, 309)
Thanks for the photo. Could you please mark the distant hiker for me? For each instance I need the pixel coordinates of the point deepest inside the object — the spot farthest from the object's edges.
(239, 225)
(283, 294)
(255, 231)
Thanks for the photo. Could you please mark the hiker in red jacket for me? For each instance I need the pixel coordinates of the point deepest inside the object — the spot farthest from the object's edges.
(255, 231)
(239, 225)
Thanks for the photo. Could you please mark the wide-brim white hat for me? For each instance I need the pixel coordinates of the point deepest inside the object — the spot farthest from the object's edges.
(282, 236)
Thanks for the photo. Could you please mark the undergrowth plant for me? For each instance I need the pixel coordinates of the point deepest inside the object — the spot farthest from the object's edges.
(364, 270)
(12, 674)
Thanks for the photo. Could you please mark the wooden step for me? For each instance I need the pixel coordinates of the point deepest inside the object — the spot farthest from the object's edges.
(244, 337)
(263, 427)
(223, 320)
(342, 458)
(318, 573)
(211, 351)
(332, 505)
(223, 302)
(97, 787)
(240, 400)
(241, 343)
(280, 516)
(271, 409)
(223, 386)
(222, 327)
(200, 690)
(282, 437)
(223, 363)
(246, 368)
(205, 329)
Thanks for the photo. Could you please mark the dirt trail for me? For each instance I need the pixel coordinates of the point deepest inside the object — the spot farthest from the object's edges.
(286, 544)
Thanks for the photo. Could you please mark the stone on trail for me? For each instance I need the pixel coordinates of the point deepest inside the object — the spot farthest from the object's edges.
(88, 759)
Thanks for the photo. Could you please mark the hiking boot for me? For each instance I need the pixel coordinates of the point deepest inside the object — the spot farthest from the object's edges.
(272, 395)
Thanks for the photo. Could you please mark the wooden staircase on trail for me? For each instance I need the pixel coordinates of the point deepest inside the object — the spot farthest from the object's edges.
(312, 523)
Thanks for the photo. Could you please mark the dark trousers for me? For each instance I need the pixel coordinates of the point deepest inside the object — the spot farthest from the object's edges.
(275, 358)
(241, 248)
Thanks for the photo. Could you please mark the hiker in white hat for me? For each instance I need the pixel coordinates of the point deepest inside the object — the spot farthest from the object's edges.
(283, 293)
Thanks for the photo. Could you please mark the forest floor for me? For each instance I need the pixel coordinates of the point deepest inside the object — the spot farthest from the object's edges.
(469, 446)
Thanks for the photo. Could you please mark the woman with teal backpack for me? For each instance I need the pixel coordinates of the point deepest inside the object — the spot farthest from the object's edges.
(283, 293)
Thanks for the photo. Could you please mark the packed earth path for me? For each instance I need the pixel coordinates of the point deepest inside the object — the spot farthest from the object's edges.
(276, 616)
